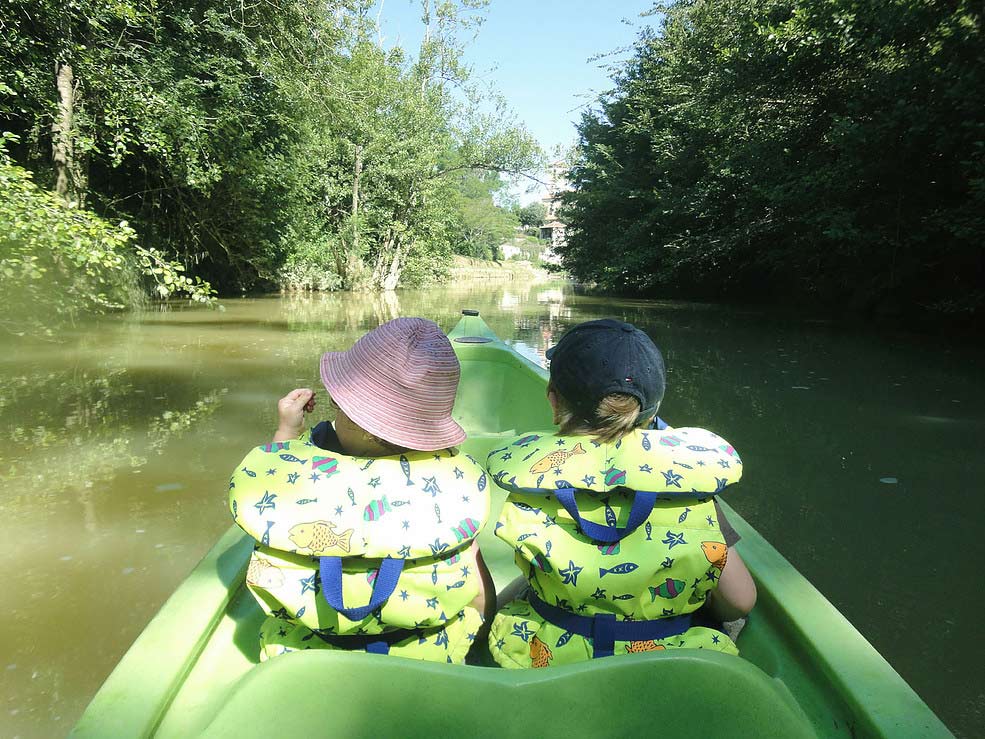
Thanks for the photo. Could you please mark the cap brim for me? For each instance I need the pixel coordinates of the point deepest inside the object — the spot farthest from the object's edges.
(550, 352)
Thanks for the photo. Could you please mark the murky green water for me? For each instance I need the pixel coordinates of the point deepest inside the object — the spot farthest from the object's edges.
(862, 455)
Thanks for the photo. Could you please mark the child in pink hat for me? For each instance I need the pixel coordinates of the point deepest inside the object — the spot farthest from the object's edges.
(393, 393)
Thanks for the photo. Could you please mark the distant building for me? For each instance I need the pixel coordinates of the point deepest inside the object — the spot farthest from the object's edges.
(553, 228)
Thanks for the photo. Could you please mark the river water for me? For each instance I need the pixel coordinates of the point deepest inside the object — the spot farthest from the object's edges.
(861, 452)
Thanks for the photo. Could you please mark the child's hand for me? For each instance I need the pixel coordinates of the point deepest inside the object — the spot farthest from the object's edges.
(290, 411)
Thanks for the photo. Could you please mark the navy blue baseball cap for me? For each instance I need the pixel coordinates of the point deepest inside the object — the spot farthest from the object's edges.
(597, 358)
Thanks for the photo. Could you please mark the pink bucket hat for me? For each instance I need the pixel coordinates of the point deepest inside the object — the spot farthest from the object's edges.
(398, 382)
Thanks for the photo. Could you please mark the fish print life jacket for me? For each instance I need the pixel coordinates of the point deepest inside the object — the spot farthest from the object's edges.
(362, 553)
(610, 536)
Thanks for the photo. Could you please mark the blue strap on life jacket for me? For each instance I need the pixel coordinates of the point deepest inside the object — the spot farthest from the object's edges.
(331, 585)
(643, 503)
(603, 628)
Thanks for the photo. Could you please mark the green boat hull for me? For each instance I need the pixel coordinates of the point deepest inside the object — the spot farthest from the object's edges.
(804, 670)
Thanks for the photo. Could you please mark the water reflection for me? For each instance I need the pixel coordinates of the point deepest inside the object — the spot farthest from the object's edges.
(120, 437)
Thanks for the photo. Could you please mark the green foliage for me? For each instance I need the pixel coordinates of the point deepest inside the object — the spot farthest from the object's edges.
(57, 260)
(532, 215)
(483, 224)
(831, 150)
(261, 144)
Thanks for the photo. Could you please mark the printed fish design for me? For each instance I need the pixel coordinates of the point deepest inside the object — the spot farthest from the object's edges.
(540, 654)
(326, 465)
(458, 584)
(292, 458)
(466, 529)
(320, 536)
(646, 442)
(623, 596)
(564, 638)
(683, 516)
(235, 510)
(643, 646)
(670, 440)
(275, 446)
(376, 509)
(305, 501)
(668, 589)
(262, 574)
(696, 448)
(352, 496)
(251, 473)
(437, 512)
(398, 503)
(623, 568)
(536, 449)
(728, 449)
(609, 549)
(524, 537)
(614, 476)
(265, 539)
(547, 550)
(555, 459)
(481, 483)
(367, 465)
(405, 466)
(371, 576)
(541, 563)
(649, 530)
(716, 553)
(454, 559)
(525, 507)
(525, 440)
(610, 515)
(434, 574)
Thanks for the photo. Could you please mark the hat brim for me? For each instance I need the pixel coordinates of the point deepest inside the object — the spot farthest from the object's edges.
(375, 407)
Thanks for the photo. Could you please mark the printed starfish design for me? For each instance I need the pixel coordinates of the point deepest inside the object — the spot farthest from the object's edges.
(711, 575)
(432, 603)
(338, 510)
(266, 502)
(507, 456)
(569, 576)
(405, 525)
(701, 463)
(560, 442)
(599, 594)
(315, 477)
(465, 571)
(470, 636)
(549, 521)
(710, 520)
(404, 595)
(646, 468)
(667, 563)
(500, 643)
(589, 480)
(308, 583)
(459, 474)
(715, 639)
(271, 471)
(672, 478)
(375, 482)
(465, 499)
(723, 463)
(673, 539)
(293, 477)
(522, 630)
(404, 552)
(431, 486)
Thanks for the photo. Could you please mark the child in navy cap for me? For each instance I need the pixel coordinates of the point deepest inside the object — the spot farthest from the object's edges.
(614, 523)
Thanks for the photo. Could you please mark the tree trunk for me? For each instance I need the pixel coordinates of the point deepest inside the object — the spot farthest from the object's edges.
(357, 170)
(62, 150)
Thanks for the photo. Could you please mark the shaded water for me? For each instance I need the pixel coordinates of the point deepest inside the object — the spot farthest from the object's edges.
(861, 457)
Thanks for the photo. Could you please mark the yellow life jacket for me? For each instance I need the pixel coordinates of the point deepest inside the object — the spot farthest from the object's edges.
(362, 547)
(627, 531)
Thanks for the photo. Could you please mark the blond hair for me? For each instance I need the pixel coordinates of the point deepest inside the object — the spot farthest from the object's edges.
(616, 415)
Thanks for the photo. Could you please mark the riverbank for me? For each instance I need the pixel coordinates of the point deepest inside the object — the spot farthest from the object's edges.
(467, 268)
